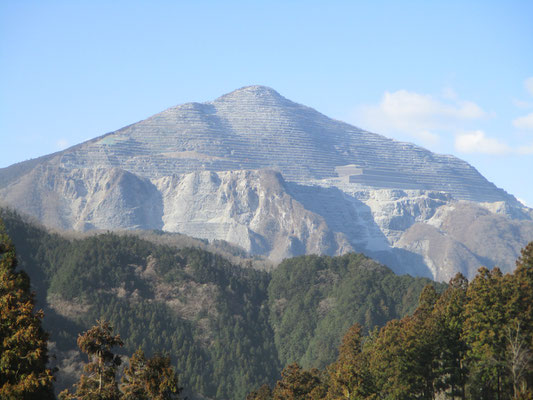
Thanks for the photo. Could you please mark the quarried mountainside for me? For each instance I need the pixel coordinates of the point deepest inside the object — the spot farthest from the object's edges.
(278, 179)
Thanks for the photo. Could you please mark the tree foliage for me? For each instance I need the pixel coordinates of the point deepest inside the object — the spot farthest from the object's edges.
(99, 379)
(473, 341)
(23, 342)
(150, 379)
(143, 379)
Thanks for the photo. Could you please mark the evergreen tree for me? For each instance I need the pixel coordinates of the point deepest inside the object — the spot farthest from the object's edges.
(299, 384)
(403, 358)
(99, 380)
(150, 379)
(519, 333)
(263, 393)
(449, 318)
(23, 348)
(484, 333)
(349, 376)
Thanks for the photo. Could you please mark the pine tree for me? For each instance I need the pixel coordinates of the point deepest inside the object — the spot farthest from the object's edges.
(150, 379)
(403, 358)
(484, 332)
(23, 342)
(519, 332)
(299, 384)
(263, 393)
(349, 376)
(449, 318)
(99, 380)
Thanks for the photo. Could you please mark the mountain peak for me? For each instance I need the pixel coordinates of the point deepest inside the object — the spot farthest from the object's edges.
(256, 93)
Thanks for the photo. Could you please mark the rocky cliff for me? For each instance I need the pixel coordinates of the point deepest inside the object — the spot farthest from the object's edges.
(278, 179)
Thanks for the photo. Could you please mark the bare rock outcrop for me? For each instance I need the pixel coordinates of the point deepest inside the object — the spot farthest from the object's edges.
(278, 179)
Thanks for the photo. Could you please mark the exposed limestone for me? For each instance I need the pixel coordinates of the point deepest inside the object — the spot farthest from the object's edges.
(278, 179)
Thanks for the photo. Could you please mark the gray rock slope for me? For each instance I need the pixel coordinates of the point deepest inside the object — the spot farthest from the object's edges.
(278, 179)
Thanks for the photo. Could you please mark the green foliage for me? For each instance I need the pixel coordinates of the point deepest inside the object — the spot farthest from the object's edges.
(473, 341)
(227, 328)
(349, 376)
(99, 379)
(313, 299)
(143, 379)
(299, 384)
(208, 315)
(150, 379)
(23, 347)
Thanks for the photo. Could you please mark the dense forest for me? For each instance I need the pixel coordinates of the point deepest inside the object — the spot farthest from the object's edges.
(473, 341)
(227, 328)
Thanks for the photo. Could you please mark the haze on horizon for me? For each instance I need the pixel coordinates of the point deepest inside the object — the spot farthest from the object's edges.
(455, 78)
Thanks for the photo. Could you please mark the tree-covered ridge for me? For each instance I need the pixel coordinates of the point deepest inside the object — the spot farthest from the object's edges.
(220, 323)
(208, 314)
(473, 341)
(313, 299)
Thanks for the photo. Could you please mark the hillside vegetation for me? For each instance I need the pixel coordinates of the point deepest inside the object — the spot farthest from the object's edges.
(473, 341)
(227, 328)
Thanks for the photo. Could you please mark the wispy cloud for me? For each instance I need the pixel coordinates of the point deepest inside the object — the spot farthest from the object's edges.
(524, 123)
(418, 115)
(478, 142)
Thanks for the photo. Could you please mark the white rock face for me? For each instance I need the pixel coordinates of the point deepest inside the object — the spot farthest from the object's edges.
(278, 179)
(248, 208)
(84, 199)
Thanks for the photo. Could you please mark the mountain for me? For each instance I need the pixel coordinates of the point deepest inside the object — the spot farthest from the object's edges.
(278, 179)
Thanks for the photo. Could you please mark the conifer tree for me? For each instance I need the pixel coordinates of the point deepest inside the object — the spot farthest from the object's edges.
(484, 333)
(23, 342)
(519, 333)
(99, 380)
(349, 376)
(150, 379)
(299, 384)
(403, 357)
(263, 393)
(449, 318)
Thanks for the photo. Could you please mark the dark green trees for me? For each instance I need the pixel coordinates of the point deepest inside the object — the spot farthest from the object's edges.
(143, 379)
(474, 341)
(23, 351)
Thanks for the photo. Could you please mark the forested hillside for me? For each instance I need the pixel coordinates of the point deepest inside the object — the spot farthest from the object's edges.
(227, 328)
(473, 341)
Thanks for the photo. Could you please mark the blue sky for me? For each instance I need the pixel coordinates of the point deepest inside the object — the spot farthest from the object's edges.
(453, 76)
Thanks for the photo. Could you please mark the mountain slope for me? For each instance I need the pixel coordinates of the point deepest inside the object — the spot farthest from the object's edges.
(255, 127)
(276, 178)
(214, 318)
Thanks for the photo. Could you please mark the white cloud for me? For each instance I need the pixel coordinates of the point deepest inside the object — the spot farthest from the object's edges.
(525, 122)
(426, 109)
(478, 142)
(528, 83)
(62, 144)
(418, 115)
